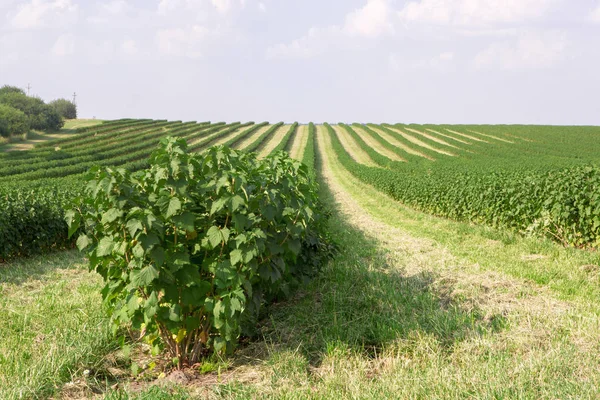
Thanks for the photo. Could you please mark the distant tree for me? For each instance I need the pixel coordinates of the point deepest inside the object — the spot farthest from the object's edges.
(53, 121)
(41, 115)
(12, 121)
(11, 89)
(66, 108)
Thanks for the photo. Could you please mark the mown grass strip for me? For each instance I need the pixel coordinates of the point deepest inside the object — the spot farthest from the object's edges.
(263, 139)
(400, 142)
(421, 141)
(289, 139)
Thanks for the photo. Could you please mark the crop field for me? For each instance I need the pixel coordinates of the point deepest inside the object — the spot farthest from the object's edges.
(468, 266)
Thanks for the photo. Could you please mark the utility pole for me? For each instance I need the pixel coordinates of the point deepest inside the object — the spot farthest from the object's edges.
(75, 98)
(28, 88)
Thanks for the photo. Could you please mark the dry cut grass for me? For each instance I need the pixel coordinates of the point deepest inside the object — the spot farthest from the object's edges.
(274, 141)
(430, 137)
(394, 142)
(420, 143)
(299, 142)
(376, 145)
(352, 147)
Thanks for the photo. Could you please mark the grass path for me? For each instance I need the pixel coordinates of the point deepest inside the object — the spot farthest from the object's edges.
(492, 137)
(231, 135)
(375, 145)
(252, 137)
(205, 138)
(391, 140)
(274, 141)
(352, 147)
(430, 137)
(467, 136)
(299, 143)
(449, 137)
(420, 143)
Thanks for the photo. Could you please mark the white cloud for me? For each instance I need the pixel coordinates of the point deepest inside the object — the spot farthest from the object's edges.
(38, 13)
(116, 7)
(467, 13)
(595, 14)
(372, 20)
(64, 46)
(308, 46)
(165, 6)
(222, 6)
(182, 42)
(440, 62)
(262, 6)
(129, 47)
(529, 51)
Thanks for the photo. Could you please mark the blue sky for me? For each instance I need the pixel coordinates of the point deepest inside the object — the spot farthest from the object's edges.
(437, 61)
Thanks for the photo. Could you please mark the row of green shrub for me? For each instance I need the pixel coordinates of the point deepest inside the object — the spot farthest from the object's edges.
(32, 216)
(563, 204)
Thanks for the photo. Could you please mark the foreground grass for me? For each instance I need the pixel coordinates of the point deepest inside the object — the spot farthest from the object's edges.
(53, 326)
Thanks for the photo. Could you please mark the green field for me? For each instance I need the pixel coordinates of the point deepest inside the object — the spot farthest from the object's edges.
(469, 267)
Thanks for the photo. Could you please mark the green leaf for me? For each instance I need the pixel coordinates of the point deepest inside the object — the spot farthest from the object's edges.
(138, 251)
(73, 221)
(151, 305)
(214, 236)
(133, 226)
(144, 276)
(217, 205)
(173, 207)
(185, 221)
(235, 256)
(83, 242)
(111, 216)
(236, 202)
(105, 247)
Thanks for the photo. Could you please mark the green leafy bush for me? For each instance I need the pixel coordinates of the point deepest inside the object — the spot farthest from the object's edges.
(12, 121)
(65, 108)
(32, 217)
(193, 246)
(41, 116)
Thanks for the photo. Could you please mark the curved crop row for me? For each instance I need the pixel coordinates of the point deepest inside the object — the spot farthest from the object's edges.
(561, 204)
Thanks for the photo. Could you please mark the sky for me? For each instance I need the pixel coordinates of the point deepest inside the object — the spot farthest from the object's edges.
(410, 61)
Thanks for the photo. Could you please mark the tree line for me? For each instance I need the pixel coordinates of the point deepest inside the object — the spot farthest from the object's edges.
(20, 113)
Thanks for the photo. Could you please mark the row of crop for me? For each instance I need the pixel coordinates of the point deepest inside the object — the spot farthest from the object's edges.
(260, 142)
(32, 217)
(97, 130)
(209, 140)
(287, 139)
(102, 137)
(561, 204)
(237, 139)
(45, 152)
(87, 152)
(115, 156)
